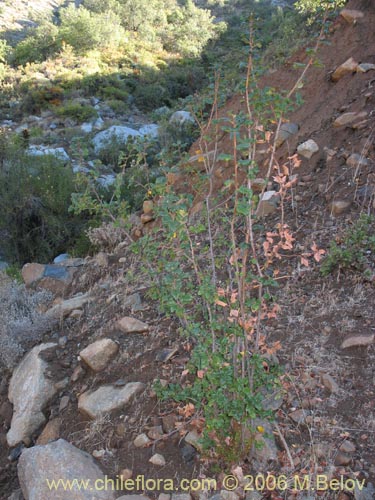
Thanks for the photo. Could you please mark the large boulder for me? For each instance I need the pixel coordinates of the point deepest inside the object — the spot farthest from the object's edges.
(108, 398)
(117, 133)
(59, 461)
(29, 391)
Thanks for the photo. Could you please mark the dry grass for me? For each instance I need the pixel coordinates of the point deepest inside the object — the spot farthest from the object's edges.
(22, 324)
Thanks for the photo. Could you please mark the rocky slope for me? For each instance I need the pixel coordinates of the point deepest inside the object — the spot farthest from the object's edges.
(81, 402)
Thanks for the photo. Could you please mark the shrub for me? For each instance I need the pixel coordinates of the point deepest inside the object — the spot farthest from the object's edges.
(77, 111)
(35, 195)
(189, 29)
(85, 30)
(40, 44)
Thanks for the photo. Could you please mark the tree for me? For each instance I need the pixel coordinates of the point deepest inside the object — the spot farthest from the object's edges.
(85, 30)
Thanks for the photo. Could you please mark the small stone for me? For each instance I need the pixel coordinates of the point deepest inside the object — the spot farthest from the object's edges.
(286, 131)
(267, 203)
(358, 341)
(308, 149)
(193, 438)
(98, 354)
(347, 447)
(63, 403)
(364, 67)
(148, 207)
(329, 383)
(351, 15)
(126, 474)
(146, 218)
(98, 454)
(299, 416)
(51, 432)
(188, 453)
(108, 398)
(356, 160)
(348, 66)
(165, 355)
(77, 373)
(347, 119)
(342, 459)
(65, 307)
(157, 459)
(339, 207)
(141, 441)
(155, 432)
(132, 325)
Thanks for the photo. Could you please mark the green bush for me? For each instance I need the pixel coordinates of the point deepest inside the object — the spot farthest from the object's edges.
(85, 30)
(35, 194)
(77, 111)
(38, 46)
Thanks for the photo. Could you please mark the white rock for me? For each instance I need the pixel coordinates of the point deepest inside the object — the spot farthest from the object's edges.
(150, 130)
(29, 391)
(127, 324)
(117, 133)
(58, 153)
(181, 117)
(157, 459)
(364, 67)
(99, 123)
(106, 181)
(61, 258)
(98, 354)
(108, 398)
(55, 461)
(87, 127)
(308, 149)
(267, 203)
(141, 441)
(67, 306)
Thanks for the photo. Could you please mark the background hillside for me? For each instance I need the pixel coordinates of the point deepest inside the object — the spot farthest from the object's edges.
(187, 235)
